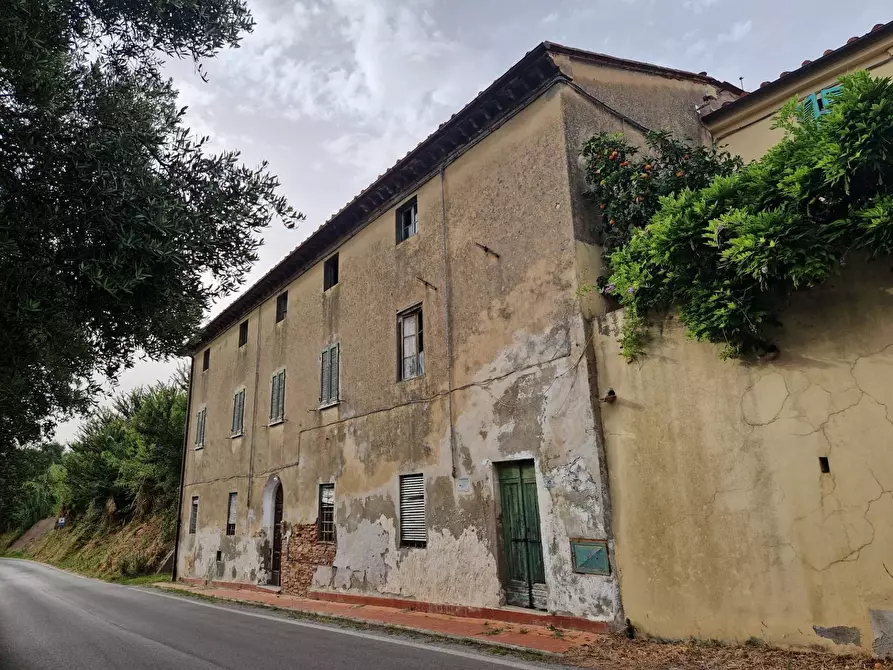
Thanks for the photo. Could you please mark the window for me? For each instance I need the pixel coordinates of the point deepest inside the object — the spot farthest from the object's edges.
(238, 412)
(411, 344)
(328, 375)
(326, 522)
(281, 306)
(277, 397)
(413, 530)
(193, 515)
(817, 104)
(330, 272)
(826, 97)
(407, 220)
(231, 515)
(206, 359)
(200, 428)
(243, 333)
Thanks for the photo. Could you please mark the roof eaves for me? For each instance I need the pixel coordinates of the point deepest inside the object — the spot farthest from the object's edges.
(766, 91)
(466, 126)
(639, 66)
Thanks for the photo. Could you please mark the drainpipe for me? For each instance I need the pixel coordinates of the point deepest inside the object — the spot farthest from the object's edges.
(183, 468)
(447, 328)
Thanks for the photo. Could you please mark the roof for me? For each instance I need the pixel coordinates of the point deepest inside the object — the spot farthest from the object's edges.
(523, 82)
(879, 33)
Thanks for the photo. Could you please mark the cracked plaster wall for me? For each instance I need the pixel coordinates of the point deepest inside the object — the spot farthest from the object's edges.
(725, 526)
(520, 380)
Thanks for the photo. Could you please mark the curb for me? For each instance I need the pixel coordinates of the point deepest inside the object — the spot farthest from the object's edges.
(463, 639)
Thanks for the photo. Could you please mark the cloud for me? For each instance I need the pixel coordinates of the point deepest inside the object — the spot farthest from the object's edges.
(550, 18)
(380, 68)
(698, 6)
(740, 30)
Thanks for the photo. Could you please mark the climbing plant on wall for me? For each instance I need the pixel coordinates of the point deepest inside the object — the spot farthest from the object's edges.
(730, 253)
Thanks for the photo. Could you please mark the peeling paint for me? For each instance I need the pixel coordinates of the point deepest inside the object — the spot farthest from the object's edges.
(840, 634)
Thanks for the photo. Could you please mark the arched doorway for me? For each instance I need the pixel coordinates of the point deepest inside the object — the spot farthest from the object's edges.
(276, 568)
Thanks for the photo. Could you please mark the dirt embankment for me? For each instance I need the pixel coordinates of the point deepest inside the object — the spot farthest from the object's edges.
(33, 534)
(126, 550)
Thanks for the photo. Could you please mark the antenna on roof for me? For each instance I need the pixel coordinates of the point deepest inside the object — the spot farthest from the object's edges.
(741, 79)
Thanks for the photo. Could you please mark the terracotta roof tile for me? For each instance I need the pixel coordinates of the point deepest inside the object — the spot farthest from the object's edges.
(810, 63)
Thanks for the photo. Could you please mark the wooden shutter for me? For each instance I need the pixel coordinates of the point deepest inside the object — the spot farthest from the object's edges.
(324, 377)
(238, 412)
(200, 428)
(828, 96)
(811, 105)
(333, 365)
(413, 529)
(277, 396)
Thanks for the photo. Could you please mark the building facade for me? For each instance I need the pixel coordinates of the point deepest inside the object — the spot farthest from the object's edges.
(754, 500)
(744, 126)
(406, 405)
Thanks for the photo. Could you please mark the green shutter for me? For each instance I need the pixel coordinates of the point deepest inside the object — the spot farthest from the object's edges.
(273, 395)
(334, 361)
(282, 395)
(324, 377)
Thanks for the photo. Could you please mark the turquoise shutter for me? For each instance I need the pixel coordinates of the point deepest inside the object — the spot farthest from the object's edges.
(828, 95)
(810, 105)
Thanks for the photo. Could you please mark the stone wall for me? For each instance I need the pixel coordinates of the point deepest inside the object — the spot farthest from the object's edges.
(302, 554)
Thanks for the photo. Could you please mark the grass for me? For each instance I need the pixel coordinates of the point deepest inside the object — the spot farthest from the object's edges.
(7, 539)
(124, 554)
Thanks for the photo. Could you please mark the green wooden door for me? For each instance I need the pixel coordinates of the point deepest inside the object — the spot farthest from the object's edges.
(524, 573)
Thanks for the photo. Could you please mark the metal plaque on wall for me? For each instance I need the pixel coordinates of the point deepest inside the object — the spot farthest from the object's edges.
(590, 557)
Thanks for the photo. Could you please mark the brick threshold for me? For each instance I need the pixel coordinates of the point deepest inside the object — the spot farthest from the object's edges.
(505, 614)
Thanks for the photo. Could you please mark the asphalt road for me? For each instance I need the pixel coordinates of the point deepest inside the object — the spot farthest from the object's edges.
(51, 619)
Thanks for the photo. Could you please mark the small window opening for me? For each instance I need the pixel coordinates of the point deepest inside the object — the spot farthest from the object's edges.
(407, 220)
(329, 380)
(231, 515)
(413, 525)
(326, 522)
(219, 556)
(238, 413)
(206, 359)
(243, 333)
(277, 397)
(330, 272)
(193, 515)
(281, 306)
(824, 465)
(201, 418)
(411, 344)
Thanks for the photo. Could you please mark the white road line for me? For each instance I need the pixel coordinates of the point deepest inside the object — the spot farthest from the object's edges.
(354, 633)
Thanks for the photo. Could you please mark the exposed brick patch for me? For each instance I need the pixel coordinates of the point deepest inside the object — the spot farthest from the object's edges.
(302, 556)
(491, 613)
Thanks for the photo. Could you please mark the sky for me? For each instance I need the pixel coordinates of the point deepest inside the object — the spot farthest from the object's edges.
(333, 92)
